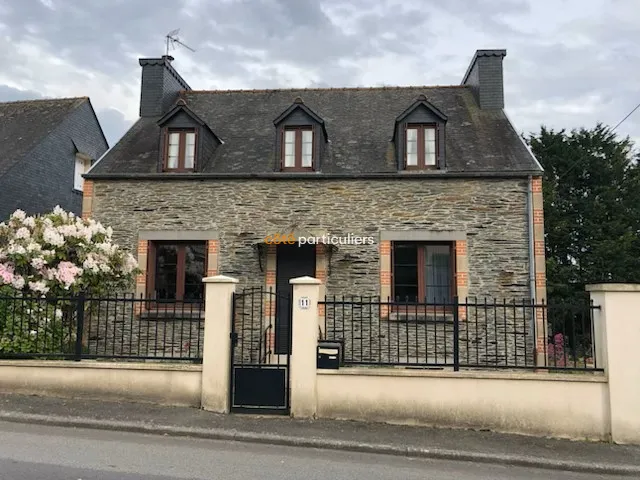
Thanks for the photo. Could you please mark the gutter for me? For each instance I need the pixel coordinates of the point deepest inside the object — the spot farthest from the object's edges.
(304, 176)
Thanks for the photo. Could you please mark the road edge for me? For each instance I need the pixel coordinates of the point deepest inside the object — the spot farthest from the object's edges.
(322, 443)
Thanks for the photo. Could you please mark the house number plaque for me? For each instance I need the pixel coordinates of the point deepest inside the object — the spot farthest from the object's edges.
(303, 303)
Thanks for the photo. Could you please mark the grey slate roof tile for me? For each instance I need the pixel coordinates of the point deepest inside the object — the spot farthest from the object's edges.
(359, 123)
(24, 124)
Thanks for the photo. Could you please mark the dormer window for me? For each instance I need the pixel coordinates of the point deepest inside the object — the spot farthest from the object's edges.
(298, 148)
(422, 146)
(180, 151)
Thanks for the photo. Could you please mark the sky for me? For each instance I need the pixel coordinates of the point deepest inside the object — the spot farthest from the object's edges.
(569, 63)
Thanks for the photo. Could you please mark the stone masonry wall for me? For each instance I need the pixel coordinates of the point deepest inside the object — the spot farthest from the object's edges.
(244, 212)
(492, 213)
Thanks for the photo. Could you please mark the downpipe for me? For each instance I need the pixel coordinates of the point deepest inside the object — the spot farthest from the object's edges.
(532, 263)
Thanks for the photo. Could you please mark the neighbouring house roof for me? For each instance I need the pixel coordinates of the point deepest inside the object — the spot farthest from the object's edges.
(359, 123)
(24, 124)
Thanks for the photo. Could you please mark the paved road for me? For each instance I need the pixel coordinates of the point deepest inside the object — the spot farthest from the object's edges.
(31, 452)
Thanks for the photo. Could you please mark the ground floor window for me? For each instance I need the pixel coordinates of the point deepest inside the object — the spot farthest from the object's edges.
(423, 272)
(175, 270)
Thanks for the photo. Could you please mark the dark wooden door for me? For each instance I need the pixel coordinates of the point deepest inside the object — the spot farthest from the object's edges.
(291, 261)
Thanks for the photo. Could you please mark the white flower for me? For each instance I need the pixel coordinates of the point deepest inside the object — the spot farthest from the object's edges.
(29, 222)
(18, 282)
(38, 287)
(16, 249)
(22, 233)
(38, 263)
(34, 247)
(19, 215)
(52, 237)
(58, 313)
(33, 333)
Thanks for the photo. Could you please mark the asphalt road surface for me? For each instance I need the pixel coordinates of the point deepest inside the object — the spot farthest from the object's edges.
(33, 452)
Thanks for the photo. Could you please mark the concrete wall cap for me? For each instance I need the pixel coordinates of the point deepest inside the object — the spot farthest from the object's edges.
(219, 279)
(305, 281)
(613, 287)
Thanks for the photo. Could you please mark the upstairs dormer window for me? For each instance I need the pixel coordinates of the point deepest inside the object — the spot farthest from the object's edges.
(298, 148)
(421, 146)
(180, 151)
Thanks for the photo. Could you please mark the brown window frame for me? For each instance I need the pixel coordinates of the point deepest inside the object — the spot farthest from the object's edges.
(180, 269)
(421, 127)
(421, 273)
(298, 149)
(182, 145)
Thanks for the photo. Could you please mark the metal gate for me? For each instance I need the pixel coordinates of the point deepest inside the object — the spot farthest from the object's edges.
(259, 375)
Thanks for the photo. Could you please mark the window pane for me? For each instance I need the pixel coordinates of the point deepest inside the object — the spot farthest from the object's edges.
(289, 161)
(166, 271)
(290, 136)
(405, 271)
(438, 278)
(194, 271)
(78, 181)
(412, 146)
(429, 146)
(289, 148)
(190, 150)
(307, 148)
(174, 148)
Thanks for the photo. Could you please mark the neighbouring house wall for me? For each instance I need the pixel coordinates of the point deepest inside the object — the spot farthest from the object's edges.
(574, 406)
(44, 177)
(491, 212)
(167, 384)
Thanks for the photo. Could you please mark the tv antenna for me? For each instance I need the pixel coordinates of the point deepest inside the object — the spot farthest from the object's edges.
(172, 40)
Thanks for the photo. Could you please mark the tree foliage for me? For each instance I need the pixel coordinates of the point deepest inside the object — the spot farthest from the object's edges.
(591, 190)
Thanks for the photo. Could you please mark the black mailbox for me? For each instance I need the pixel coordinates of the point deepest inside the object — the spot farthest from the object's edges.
(329, 354)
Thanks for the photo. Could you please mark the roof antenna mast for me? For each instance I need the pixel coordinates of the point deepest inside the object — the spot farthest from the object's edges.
(173, 40)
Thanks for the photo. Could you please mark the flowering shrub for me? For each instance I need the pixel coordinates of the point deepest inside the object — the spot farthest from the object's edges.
(555, 351)
(60, 254)
(32, 325)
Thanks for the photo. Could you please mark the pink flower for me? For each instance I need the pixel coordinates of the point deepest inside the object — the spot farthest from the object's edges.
(6, 273)
(66, 273)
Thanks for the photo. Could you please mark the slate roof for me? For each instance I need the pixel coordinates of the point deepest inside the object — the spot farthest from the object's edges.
(359, 124)
(24, 124)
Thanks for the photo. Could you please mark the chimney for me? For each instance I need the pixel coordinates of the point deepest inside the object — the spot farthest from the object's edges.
(484, 75)
(160, 86)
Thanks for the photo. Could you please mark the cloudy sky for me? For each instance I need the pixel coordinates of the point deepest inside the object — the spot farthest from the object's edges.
(569, 63)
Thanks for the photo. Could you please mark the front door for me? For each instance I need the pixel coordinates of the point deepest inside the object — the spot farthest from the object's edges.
(291, 261)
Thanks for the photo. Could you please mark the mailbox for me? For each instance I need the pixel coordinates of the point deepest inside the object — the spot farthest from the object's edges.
(329, 354)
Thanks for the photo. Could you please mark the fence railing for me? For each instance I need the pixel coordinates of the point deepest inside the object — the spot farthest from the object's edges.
(120, 327)
(461, 334)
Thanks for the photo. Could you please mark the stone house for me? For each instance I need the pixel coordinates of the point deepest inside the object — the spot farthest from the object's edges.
(45, 147)
(437, 176)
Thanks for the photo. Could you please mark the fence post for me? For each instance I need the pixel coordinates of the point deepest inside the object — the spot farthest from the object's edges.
(304, 347)
(456, 335)
(79, 326)
(617, 336)
(216, 347)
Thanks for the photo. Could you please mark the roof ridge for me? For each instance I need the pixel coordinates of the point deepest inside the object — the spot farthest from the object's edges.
(323, 89)
(38, 100)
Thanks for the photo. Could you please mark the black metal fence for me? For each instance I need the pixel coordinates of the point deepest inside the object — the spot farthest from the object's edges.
(121, 327)
(462, 334)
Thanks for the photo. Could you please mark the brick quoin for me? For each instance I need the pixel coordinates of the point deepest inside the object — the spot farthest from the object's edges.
(539, 248)
(536, 184)
(385, 278)
(87, 188)
(461, 247)
(538, 216)
(540, 280)
(213, 246)
(385, 247)
(462, 278)
(143, 247)
(321, 310)
(321, 275)
(271, 277)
